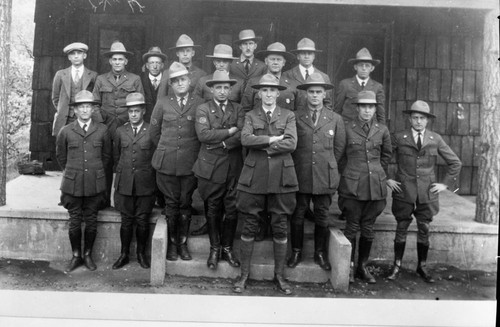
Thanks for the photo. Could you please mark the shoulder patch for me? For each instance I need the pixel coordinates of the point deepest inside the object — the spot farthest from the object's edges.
(154, 121)
(202, 120)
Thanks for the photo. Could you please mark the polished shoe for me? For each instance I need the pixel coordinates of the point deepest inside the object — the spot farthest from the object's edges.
(395, 271)
(282, 285)
(422, 272)
(422, 251)
(172, 252)
(143, 261)
(363, 274)
(240, 284)
(76, 261)
(213, 259)
(321, 260)
(399, 249)
(295, 258)
(228, 255)
(89, 263)
(203, 230)
(183, 252)
(122, 261)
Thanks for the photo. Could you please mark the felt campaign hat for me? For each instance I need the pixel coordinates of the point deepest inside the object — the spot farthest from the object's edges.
(154, 52)
(420, 107)
(118, 48)
(306, 45)
(75, 46)
(220, 76)
(366, 97)
(315, 79)
(269, 80)
(222, 51)
(177, 69)
(247, 35)
(275, 48)
(84, 96)
(134, 99)
(184, 41)
(363, 55)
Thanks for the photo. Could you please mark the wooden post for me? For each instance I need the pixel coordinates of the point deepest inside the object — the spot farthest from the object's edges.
(487, 202)
(5, 22)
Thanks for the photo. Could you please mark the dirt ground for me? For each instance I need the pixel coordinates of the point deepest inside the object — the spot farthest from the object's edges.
(451, 283)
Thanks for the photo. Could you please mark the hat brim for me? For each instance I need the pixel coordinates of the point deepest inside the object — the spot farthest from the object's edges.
(264, 53)
(135, 103)
(308, 85)
(212, 82)
(305, 50)
(221, 57)
(146, 56)
(260, 86)
(179, 73)
(409, 112)
(256, 39)
(86, 101)
(354, 61)
(111, 53)
(185, 46)
(366, 102)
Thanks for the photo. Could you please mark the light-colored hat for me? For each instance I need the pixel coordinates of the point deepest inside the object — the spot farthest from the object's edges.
(306, 45)
(363, 55)
(315, 79)
(275, 48)
(220, 76)
(366, 97)
(75, 46)
(154, 52)
(269, 80)
(247, 35)
(222, 51)
(134, 99)
(420, 107)
(117, 48)
(177, 69)
(184, 41)
(84, 96)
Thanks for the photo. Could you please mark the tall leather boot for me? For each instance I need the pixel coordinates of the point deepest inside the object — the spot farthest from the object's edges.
(399, 250)
(227, 239)
(321, 234)
(297, 234)
(213, 221)
(279, 267)
(87, 250)
(204, 228)
(363, 255)
(422, 251)
(182, 237)
(75, 239)
(246, 250)
(126, 239)
(142, 235)
(172, 238)
(351, 265)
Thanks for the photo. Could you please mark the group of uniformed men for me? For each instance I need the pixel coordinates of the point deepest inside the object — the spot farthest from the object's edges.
(259, 144)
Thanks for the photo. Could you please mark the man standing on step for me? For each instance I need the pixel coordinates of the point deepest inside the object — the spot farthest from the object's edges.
(173, 132)
(68, 82)
(415, 190)
(83, 149)
(362, 188)
(320, 145)
(268, 181)
(135, 180)
(218, 125)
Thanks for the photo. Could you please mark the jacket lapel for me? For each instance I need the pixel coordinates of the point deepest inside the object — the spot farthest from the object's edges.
(297, 75)
(67, 81)
(324, 118)
(304, 116)
(91, 129)
(86, 78)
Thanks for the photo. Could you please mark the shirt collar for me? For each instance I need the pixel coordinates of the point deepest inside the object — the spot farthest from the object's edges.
(266, 110)
(415, 133)
(87, 123)
(243, 58)
(310, 70)
(138, 127)
(74, 70)
(158, 78)
(185, 97)
(362, 80)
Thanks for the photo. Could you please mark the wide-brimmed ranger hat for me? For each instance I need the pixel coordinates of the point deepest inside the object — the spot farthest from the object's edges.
(117, 48)
(275, 48)
(420, 107)
(79, 46)
(366, 97)
(363, 55)
(184, 41)
(154, 52)
(247, 35)
(177, 69)
(306, 45)
(220, 76)
(269, 80)
(315, 79)
(84, 96)
(222, 51)
(135, 99)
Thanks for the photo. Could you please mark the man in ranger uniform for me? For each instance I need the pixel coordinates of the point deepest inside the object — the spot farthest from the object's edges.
(320, 145)
(415, 190)
(268, 181)
(218, 125)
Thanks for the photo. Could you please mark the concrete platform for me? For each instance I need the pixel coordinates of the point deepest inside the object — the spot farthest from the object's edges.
(34, 227)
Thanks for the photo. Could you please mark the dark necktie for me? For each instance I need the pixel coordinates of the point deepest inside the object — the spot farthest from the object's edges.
(419, 141)
(366, 128)
(307, 74)
(362, 85)
(314, 116)
(84, 128)
(135, 131)
(117, 78)
(77, 77)
(269, 114)
(155, 83)
(222, 107)
(181, 103)
(247, 65)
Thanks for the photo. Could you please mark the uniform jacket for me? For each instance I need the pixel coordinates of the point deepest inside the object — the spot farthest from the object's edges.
(416, 168)
(286, 100)
(269, 168)
(294, 74)
(112, 96)
(173, 132)
(83, 156)
(204, 92)
(61, 94)
(347, 93)
(150, 94)
(365, 174)
(215, 159)
(256, 69)
(132, 158)
(319, 149)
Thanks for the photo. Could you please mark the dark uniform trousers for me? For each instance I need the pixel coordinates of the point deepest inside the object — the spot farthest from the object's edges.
(82, 209)
(178, 191)
(360, 216)
(321, 203)
(423, 213)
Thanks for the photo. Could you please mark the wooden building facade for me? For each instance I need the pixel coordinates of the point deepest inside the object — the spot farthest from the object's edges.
(429, 51)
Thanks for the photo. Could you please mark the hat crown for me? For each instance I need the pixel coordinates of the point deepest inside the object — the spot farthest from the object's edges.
(315, 78)
(75, 46)
(177, 69)
(155, 50)
(364, 54)
(84, 96)
(269, 79)
(134, 98)
(246, 34)
(220, 76)
(421, 106)
(184, 41)
(306, 44)
(276, 47)
(223, 51)
(367, 97)
(117, 46)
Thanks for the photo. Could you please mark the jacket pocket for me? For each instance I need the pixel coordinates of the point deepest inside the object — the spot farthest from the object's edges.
(288, 175)
(333, 174)
(247, 173)
(205, 165)
(100, 181)
(349, 183)
(328, 140)
(157, 159)
(68, 182)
